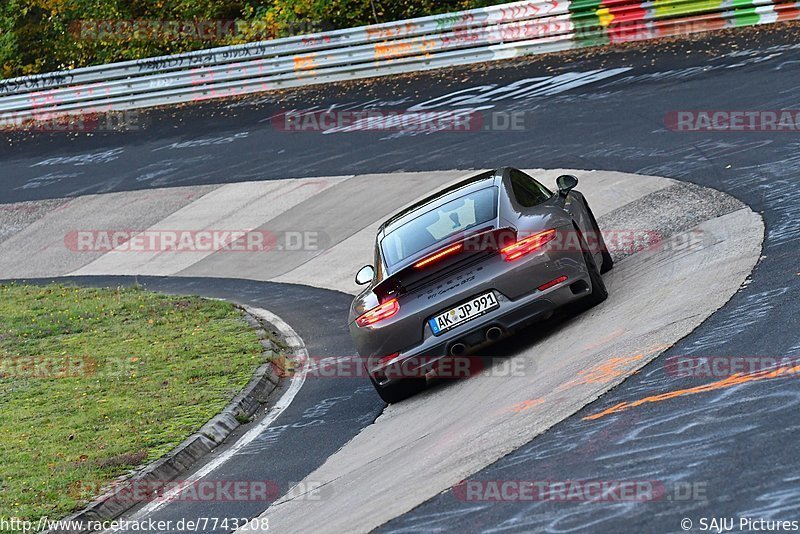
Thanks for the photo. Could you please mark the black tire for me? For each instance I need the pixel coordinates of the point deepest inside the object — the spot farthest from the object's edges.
(399, 390)
(608, 262)
(599, 292)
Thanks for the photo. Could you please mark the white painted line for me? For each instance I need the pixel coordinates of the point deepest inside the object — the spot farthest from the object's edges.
(299, 350)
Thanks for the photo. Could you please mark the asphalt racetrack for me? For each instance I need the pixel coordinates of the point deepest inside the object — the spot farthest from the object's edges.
(725, 450)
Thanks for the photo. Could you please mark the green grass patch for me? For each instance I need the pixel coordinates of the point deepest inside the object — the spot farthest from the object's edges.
(98, 381)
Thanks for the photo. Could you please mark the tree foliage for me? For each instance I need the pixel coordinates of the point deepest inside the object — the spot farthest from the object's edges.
(46, 35)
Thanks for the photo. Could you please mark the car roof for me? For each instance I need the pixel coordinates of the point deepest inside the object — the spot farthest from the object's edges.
(451, 192)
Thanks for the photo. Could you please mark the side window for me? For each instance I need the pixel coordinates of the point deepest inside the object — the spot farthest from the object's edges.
(528, 191)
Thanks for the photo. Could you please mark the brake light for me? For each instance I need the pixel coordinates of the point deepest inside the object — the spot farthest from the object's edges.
(552, 283)
(379, 313)
(386, 359)
(526, 246)
(439, 255)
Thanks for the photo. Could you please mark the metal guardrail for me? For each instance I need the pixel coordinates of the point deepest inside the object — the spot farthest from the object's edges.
(497, 32)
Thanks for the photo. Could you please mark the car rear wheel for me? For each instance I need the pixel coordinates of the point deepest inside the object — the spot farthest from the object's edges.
(399, 390)
(599, 292)
(608, 262)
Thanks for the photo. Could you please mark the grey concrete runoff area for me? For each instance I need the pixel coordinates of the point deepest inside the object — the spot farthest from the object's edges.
(424, 446)
(421, 447)
(342, 211)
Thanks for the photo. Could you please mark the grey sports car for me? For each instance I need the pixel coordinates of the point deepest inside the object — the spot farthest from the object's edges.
(469, 265)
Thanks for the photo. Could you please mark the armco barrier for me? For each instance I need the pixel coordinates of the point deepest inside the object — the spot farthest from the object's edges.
(498, 32)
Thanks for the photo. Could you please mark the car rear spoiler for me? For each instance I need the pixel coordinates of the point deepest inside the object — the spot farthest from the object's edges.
(444, 259)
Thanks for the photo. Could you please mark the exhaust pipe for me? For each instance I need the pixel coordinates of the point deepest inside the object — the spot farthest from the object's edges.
(494, 333)
(457, 349)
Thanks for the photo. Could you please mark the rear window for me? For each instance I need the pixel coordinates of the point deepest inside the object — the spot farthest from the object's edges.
(454, 217)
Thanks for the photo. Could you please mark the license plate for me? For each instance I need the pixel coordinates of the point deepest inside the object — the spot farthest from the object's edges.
(461, 314)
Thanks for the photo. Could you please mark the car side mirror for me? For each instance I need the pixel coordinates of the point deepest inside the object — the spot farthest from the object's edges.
(566, 183)
(365, 275)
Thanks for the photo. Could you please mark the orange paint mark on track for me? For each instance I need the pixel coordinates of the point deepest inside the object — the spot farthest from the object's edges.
(602, 341)
(732, 380)
(610, 369)
(526, 405)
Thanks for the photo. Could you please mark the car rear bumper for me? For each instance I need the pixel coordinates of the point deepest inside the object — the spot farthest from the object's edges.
(418, 360)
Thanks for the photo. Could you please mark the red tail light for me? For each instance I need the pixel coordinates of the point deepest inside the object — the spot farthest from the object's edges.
(552, 283)
(527, 245)
(379, 313)
(383, 360)
(439, 255)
